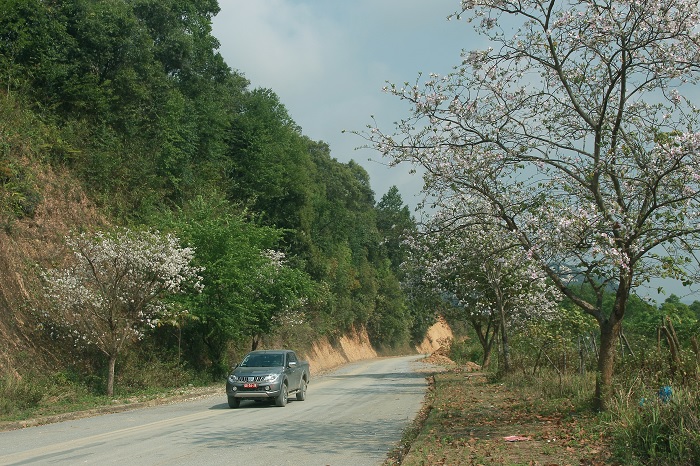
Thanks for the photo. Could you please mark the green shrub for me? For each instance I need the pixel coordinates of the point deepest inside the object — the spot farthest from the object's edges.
(147, 370)
(18, 395)
(465, 351)
(647, 430)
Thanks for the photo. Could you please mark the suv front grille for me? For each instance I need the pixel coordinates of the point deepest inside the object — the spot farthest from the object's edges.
(250, 378)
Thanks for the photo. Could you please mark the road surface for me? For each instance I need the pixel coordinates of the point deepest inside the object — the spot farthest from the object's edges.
(352, 416)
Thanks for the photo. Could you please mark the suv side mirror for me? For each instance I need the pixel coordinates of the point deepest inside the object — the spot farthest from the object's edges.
(292, 364)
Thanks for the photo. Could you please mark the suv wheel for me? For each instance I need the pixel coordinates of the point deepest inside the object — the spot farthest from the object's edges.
(301, 394)
(281, 399)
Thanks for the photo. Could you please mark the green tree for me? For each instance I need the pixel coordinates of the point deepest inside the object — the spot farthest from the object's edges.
(247, 287)
(269, 168)
(395, 223)
(32, 41)
(345, 252)
(137, 88)
(390, 322)
(683, 319)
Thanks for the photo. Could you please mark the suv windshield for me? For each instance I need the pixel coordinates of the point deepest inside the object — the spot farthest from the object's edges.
(263, 360)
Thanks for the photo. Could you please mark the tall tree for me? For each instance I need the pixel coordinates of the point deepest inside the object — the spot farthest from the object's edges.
(270, 168)
(573, 129)
(395, 223)
(345, 252)
(248, 286)
(136, 86)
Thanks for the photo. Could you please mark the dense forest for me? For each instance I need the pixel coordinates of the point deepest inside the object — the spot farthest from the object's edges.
(131, 101)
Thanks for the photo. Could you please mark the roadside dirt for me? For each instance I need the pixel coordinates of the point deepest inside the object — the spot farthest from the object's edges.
(469, 420)
(356, 346)
(439, 337)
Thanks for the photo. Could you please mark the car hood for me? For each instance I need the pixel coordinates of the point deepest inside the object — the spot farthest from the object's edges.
(256, 370)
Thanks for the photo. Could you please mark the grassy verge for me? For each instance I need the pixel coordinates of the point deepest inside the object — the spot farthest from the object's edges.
(25, 403)
(649, 429)
(471, 420)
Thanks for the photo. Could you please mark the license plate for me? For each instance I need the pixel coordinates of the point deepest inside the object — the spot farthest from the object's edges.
(250, 385)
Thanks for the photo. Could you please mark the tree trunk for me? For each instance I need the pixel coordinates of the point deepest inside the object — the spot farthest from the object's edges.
(610, 330)
(673, 345)
(537, 361)
(609, 334)
(696, 348)
(486, 339)
(487, 353)
(504, 342)
(110, 374)
(626, 343)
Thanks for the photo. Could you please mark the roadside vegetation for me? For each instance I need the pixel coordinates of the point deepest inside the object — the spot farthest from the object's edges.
(474, 420)
(39, 397)
(541, 412)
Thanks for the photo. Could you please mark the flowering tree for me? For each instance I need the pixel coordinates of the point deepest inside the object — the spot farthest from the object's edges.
(489, 277)
(117, 285)
(573, 129)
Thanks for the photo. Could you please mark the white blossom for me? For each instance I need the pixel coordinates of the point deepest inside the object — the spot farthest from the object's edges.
(117, 285)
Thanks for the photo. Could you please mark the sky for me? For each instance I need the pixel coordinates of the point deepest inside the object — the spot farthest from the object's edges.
(328, 61)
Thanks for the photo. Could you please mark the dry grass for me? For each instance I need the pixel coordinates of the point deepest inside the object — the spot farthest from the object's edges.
(469, 420)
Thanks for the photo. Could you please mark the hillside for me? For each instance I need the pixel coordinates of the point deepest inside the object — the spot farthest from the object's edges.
(26, 244)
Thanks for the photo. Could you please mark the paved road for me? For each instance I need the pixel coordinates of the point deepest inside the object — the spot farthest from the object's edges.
(352, 416)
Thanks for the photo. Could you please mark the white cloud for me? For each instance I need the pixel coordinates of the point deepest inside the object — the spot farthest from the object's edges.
(276, 43)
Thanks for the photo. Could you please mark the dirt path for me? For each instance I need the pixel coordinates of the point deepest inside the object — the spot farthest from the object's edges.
(476, 422)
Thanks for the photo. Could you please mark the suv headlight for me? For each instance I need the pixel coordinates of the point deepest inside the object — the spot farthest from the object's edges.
(232, 378)
(271, 378)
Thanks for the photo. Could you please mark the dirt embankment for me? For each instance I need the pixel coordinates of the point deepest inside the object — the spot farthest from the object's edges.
(438, 336)
(353, 347)
(36, 239)
(356, 346)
